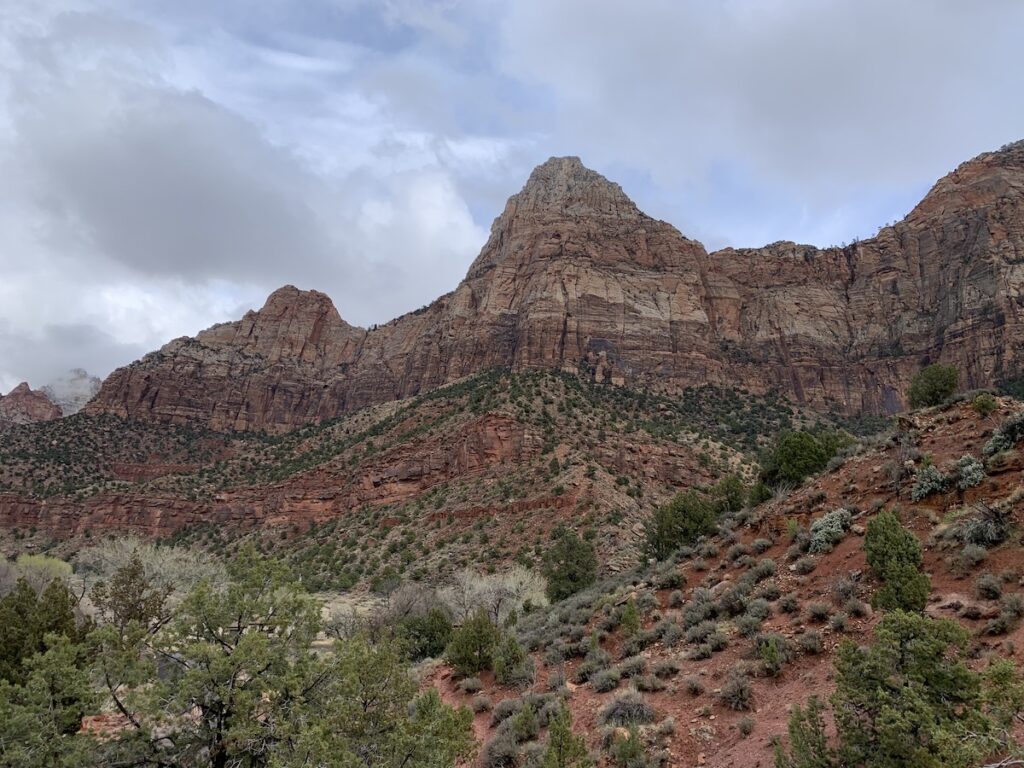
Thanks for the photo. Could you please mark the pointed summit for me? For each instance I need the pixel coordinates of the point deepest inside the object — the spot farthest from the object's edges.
(293, 325)
(24, 405)
(563, 185)
(565, 211)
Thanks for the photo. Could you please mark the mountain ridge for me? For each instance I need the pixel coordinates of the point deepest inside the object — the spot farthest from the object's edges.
(575, 277)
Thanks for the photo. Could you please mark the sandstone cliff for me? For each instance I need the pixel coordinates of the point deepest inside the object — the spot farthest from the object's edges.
(24, 405)
(575, 277)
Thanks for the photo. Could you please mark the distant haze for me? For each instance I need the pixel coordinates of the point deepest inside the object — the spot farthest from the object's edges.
(166, 165)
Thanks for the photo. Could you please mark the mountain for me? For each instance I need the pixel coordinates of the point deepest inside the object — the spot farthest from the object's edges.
(72, 391)
(24, 405)
(575, 277)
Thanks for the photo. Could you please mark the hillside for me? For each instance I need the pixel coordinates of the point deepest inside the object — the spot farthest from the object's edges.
(702, 611)
(467, 463)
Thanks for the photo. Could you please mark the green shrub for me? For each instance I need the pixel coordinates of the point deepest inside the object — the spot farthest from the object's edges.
(793, 457)
(523, 724)
(737, 693)
(969, 472)
(828, 530)
(679, 522)
(928, 480)
(773, 650)
(426, 635)
(894, 555)
(512, 666)
(1006, 435)
(629, 620)
(564, 749)
(914, 668)
(471, 649)
(984, 404)
(729, 494)
(808, 741)
(932, 385)
(906, 589)
(627, 709)
(627, 750)
(569, 565)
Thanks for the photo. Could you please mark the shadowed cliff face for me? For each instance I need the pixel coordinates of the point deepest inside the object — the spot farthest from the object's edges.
(575, 277)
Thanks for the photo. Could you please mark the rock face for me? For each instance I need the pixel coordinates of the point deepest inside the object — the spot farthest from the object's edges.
(72, 391)
(24, 405)
(575, 277)
(268, 370)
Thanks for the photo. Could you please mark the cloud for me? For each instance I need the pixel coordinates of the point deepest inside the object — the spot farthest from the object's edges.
(818, 104)
(68, 346)
(139, 208)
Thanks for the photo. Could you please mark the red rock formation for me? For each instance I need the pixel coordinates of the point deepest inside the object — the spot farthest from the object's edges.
(24, 405)
(575, 277)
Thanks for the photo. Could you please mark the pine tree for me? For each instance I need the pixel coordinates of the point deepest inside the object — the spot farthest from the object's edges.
(564, 749)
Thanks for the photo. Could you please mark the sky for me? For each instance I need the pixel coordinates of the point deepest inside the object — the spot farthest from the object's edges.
(165, 166)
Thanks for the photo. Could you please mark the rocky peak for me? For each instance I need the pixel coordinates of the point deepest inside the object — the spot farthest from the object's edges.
(24, 405)
(563, 186)
(293, 325)
(991, 182)
(567, 211)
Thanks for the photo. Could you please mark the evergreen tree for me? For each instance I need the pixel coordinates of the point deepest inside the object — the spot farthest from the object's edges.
(564, 749)
(569, 566)
(932, 385)
(27, 618)
(41, 717)
(471, 649)
(681, 521)
(909, 699)
(894, 555)
(239, 659)
(630, 618)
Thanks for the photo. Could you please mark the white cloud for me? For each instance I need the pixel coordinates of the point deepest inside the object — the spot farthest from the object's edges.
(140, 208)
(817, 103)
